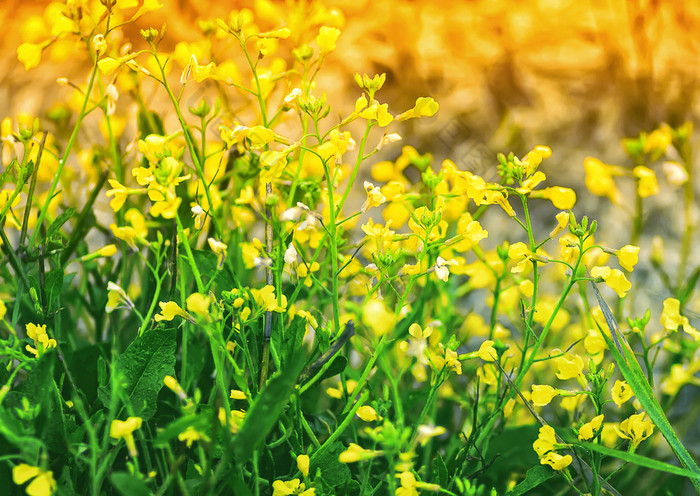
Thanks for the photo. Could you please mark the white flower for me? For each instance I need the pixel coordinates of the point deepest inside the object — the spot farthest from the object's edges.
(292, 96)
(675, 173)
(291, 214)
(290, 255)
(441, 270)
(388, 138)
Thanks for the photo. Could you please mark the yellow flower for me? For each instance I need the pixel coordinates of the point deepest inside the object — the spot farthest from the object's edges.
(599, 179)
(148, 6)
(220, 249)
(41, 339)
(124, 429)
(234, 421)
(450, 361)
(108, 65)
(543, 394)
(527, 288)
(327, 38)
(116, 296)
(648, 185)
(487, 352)
(614, 278)
(424, 107)
(99, 44)
(628, 256)
(377, 317)
(658, 140)
(589, 429)
(534, 158)
(561, 198)
(43, 483)
(237, 394)
(374, 196)
(30, 54)
(556, 461)
(107, 251)
(267, 301)
(172, 384)
(119, 192)
(636, 428)
(367, 413)
(356, 453)
(259, 136)
(519, 253)
(303, 464)
(378, 112)
(545, 445)
(569, 366)
(198, 304)
(671, 318)
(284, 488)
(169, 310)
(545, 441)
(190, 435)
(426, 432)
(470, 231)
(594, 343)
(528, 184)
(562, 222)
(621, 392)
(272, 163)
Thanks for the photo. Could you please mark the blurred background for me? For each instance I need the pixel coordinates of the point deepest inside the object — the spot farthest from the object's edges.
(575, 75)
(507, 74)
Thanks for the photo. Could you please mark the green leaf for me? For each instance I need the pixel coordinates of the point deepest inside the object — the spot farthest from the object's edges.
(149, 123)
(83, 365)
(633, 374)
(333, 472)
(14, 433)
(56, 284)
(535, 476)
(640, 460)
(141, 369)
(56, 225)
(689, 288)
(201, 422)
(440, 474)
(207, 263)
(128, 485)
(266, 409)
(293, 337)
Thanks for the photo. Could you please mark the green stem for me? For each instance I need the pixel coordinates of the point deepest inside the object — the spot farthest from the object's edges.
(66, 153)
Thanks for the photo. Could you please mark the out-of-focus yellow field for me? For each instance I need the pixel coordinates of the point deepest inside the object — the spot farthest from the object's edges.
(512, 73)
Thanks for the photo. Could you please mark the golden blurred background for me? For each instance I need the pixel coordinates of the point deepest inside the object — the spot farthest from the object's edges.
(575, 75)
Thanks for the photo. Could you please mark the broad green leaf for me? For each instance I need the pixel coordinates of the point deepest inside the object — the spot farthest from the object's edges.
(142, 368)
(56, 284)
(265, 411)
(332, 471)
(128, 485)
(207, 263)
(292, 339)
(534, 477)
